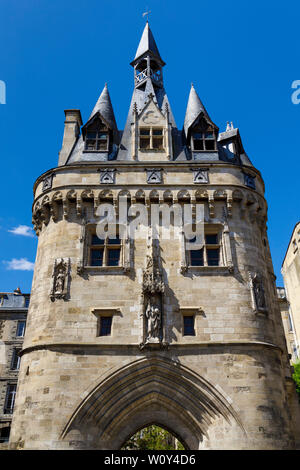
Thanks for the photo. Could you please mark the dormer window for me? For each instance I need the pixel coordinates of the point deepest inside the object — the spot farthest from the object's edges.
(151, 138)
(97, 137)
(96, 141)
(203, 141)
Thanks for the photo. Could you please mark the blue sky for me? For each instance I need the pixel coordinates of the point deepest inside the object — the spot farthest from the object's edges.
(241, 56)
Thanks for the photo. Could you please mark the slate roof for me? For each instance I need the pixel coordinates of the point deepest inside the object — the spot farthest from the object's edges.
(121, 148)
(147, 44)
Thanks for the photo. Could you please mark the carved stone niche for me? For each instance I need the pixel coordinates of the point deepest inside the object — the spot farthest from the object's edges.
(61, 279)
(47, 182)
(153, 290)
(154, 175)
(258, 299)
(200, 175)
(107, 176)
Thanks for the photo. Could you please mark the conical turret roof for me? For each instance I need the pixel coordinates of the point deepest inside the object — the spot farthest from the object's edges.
(104, 107)
(193, 110)
(147, 45)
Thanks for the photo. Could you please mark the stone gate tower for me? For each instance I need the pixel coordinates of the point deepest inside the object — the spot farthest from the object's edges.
(125, 332)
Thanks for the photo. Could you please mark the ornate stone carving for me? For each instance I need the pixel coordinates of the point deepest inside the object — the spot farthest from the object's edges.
(153, 288)
(200, 175)
(47, 182)
(153, 323)
(257, 293)
(154, 175)
(249, 180)
(60, 279)
(107, 176)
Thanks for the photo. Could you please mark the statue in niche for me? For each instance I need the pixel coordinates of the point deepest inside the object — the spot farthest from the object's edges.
(259, 293)
(153, 322)
(60, 279)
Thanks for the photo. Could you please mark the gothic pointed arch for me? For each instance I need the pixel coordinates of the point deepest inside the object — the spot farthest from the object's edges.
(158, 390)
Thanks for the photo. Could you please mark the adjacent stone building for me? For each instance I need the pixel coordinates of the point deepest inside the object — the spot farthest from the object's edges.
(291, 276)
(127, 331)
(13, 313)
(288, 324)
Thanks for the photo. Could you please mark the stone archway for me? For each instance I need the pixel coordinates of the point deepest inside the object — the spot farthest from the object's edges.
(148, 390)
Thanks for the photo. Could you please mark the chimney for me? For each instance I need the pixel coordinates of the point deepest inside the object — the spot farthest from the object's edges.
(72, 128)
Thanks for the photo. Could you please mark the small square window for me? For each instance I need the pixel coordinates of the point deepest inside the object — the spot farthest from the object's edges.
(211, 239)
(105, 326)
(188, 325)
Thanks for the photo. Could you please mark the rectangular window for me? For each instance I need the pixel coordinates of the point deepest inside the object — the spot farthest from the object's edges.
(10, 398)
(4, 434)
(209, 255)
(197, 258)
(105, 326)
(188, 325)
(104, 252)
(15, 362)
(152, 138)
(96, 141)
(203, 141)
(21, 328)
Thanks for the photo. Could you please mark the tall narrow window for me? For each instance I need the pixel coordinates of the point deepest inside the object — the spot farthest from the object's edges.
(10, 398)
(21, 328)
(15, 362)
(189, 325)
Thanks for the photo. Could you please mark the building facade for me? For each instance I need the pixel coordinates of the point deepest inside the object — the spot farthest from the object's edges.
(149, 322)
(13, 314)
(288, 324)
(291, 276)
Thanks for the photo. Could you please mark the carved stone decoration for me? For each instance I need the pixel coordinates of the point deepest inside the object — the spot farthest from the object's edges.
(200, 175)
(154, 175)
(249, 180)
(47, 182)
(257, 293)
(60, 277)
(107, 176)
(153, 288)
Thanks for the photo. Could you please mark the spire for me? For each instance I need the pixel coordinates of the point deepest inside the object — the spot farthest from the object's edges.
(104, 107)
(147, 45)
(193, 110)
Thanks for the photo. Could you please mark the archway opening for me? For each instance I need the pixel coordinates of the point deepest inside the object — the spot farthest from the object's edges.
(153, 437)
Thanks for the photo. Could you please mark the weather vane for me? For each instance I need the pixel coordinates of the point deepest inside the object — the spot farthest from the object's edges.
(147, 13)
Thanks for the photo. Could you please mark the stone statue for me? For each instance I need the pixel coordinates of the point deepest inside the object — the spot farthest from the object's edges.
(259, 293)
(60, 279)
(153, 322)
